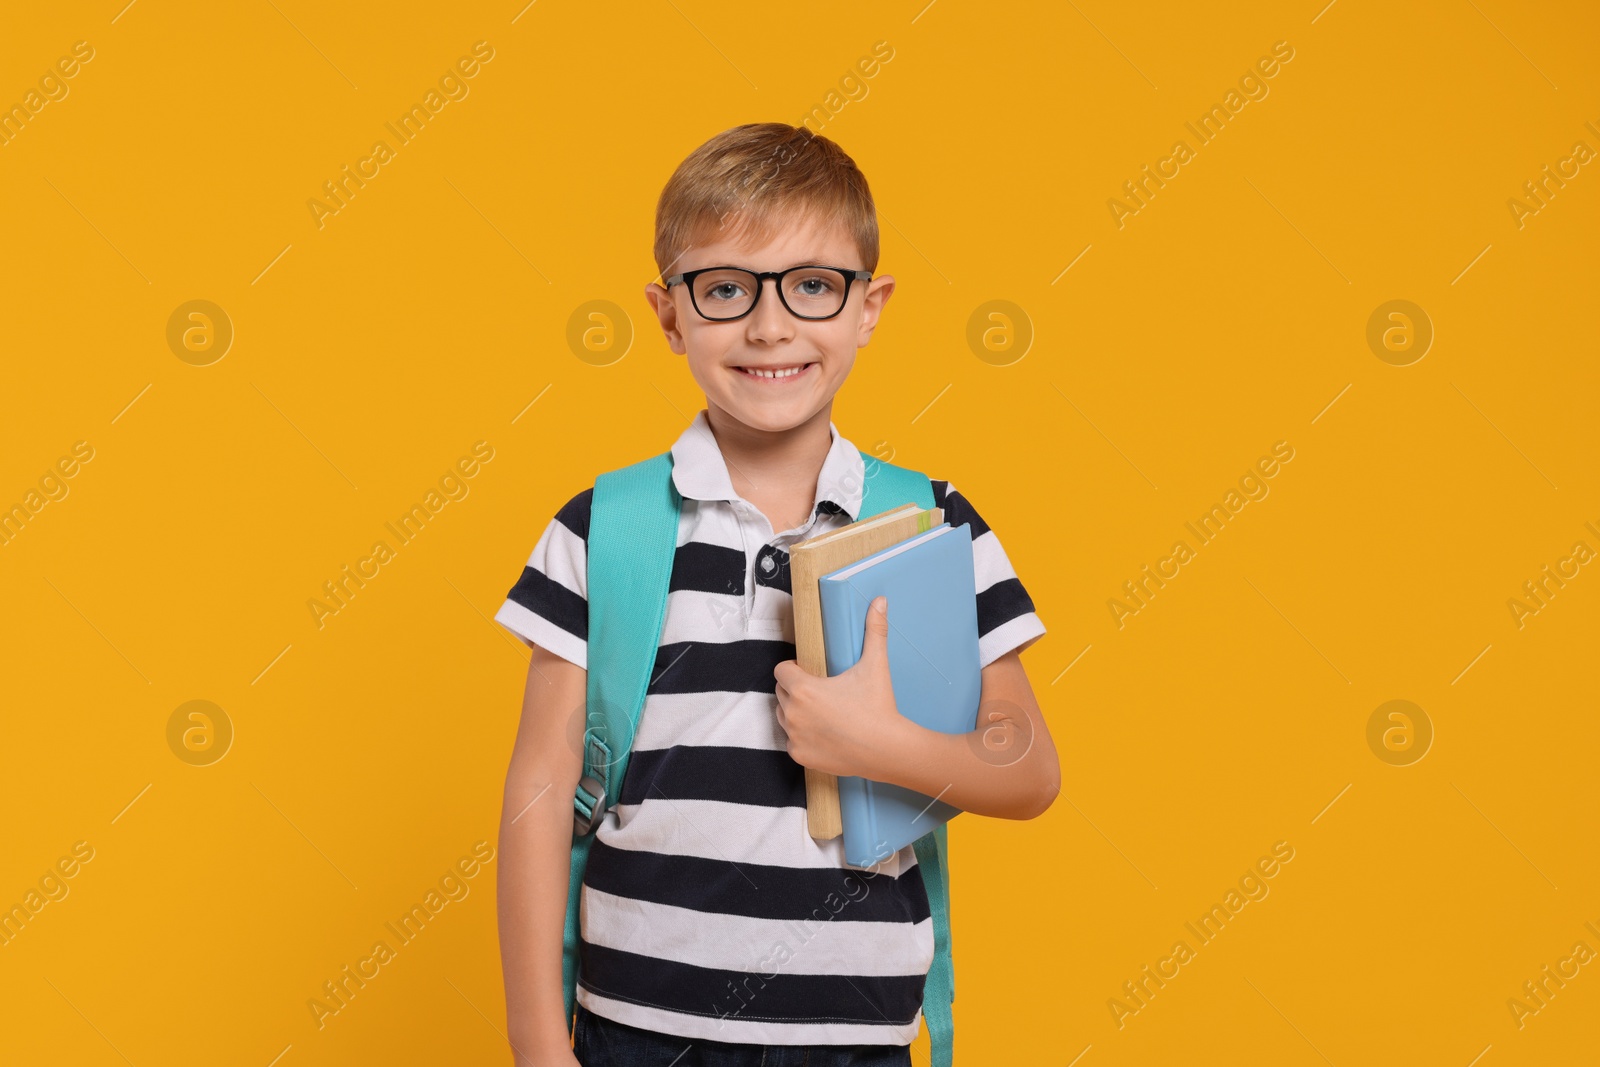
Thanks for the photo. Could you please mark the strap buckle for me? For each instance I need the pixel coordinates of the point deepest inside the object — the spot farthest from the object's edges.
(589, 803)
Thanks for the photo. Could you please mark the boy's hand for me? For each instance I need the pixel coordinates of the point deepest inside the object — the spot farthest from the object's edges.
(846, 724)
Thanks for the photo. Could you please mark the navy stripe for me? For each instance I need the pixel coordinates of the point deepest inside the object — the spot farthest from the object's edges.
(554, 601)
(707, 568)
(756, 890)
(743, 666)
(779, 578)
(766, 777)
(1000, 603)
(957, 510)
(574, 514)
(770, 995)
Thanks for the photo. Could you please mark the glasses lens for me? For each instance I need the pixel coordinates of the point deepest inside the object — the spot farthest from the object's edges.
(814, 292)
(724, 294)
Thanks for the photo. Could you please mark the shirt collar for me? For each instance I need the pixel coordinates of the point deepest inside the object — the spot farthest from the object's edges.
(699, 471)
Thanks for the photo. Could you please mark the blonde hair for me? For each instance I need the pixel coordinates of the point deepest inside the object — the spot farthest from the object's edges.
(749, 180)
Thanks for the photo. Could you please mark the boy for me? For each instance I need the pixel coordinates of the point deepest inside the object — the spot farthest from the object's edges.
(703, 866)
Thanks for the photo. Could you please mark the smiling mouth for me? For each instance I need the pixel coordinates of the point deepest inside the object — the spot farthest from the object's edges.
(776, 374)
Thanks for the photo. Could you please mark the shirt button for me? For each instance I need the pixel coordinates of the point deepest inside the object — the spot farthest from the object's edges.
(767, 565)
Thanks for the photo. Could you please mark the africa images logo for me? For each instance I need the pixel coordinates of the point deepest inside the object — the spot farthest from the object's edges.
(1207, 128)
(452, 85)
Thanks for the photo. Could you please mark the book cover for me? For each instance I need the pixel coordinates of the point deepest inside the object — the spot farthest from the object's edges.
(809, 560)
(933, 667)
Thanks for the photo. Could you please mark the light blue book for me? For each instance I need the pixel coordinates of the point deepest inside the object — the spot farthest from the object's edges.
(933, 667)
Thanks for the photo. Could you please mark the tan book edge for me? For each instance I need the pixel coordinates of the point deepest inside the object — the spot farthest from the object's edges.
(809, 560)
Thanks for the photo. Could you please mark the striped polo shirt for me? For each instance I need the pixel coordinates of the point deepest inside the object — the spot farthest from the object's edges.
(707, 909)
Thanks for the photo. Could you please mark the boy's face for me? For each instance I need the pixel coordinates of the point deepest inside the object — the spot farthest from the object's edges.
(770, 337)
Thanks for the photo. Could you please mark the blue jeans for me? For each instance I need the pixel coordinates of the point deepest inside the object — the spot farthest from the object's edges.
(602, 1042)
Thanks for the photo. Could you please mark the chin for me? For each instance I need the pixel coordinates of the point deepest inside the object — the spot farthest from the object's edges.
(775, 419)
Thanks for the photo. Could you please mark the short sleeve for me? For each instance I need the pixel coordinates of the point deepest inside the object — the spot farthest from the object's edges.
(1007, 621)
(549, 605)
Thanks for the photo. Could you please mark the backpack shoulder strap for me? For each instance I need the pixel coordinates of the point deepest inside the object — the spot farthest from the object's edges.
(633, 532)
(939, 991)
(888, 486)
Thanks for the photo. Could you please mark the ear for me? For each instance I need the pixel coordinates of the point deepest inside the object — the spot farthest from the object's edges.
(666, 310)
(879, 290)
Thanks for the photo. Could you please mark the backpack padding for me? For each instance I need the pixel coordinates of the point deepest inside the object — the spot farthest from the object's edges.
(633, 535)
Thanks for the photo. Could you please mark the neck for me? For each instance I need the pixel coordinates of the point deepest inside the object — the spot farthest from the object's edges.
(764, 462)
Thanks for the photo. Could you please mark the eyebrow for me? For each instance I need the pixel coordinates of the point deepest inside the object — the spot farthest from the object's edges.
(813, 262)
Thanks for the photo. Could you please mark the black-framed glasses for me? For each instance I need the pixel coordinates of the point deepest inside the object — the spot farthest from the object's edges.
(723, 294)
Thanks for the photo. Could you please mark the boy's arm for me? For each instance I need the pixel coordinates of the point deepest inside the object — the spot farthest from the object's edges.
(849, 723)
(536, 858)
(1006, 768)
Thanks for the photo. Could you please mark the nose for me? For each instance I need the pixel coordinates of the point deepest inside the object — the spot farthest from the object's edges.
(769, 321)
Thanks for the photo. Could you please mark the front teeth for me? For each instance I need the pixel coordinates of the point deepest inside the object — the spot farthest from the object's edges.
(775, 374)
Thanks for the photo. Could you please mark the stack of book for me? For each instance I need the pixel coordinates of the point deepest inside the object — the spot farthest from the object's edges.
(924, 567)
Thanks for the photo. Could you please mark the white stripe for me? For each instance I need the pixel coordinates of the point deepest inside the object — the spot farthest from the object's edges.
(774, 615)
(738, 720)
(989, 562)
(820, 945)
(710, 523)
(562, 557)
(537, 630)
(715, 618)
(709, 829)
(732, 1028)
(1019, 632)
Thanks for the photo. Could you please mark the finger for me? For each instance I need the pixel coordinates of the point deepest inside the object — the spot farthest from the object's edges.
(789, 675)
(875, 639)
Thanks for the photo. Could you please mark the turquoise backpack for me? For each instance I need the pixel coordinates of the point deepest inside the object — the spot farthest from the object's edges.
(633, 533)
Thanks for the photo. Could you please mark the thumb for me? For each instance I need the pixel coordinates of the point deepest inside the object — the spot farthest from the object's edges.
(876, 638)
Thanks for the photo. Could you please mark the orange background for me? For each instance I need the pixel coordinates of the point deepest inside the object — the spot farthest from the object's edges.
(432, 311)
